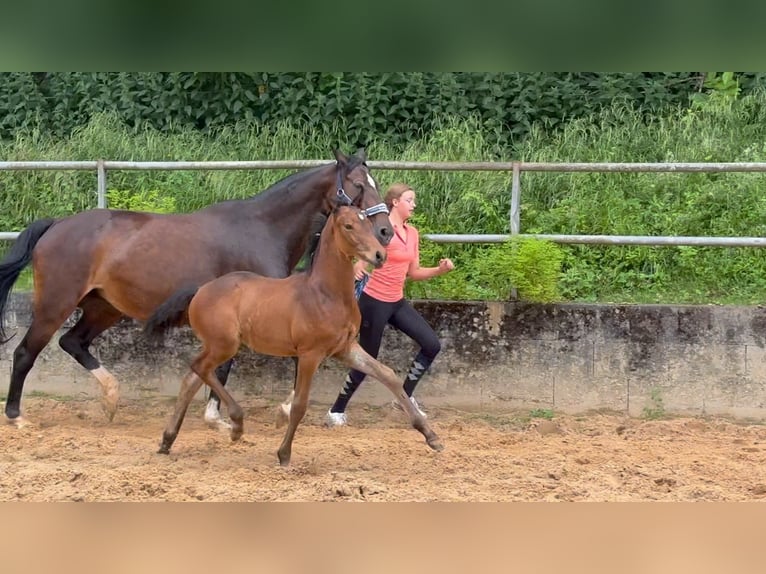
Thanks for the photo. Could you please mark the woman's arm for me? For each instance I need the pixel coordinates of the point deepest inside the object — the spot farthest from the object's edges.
(418, 273)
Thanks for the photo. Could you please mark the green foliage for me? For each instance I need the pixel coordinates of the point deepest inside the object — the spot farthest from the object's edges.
(656, 407)
(532, 266)
(692, 204)
(546, 414)
(150, 201)
(395, 106)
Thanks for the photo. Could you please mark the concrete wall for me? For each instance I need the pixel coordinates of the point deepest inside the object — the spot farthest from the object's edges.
(571, 358)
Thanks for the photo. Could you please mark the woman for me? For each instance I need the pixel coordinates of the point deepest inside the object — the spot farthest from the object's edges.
(382, 301)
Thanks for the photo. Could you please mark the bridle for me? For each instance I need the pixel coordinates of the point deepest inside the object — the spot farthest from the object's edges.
(344, 199)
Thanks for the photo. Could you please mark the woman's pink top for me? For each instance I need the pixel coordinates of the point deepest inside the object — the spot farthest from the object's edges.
(387, 283)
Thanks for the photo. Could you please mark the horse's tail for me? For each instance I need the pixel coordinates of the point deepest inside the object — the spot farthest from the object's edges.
(15, 260)
(172, 313)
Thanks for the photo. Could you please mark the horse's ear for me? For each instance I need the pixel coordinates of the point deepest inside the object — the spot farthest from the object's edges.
(361, 153)
(341, 158)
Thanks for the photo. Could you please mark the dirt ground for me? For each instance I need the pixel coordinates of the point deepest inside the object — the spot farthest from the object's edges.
(70, 453)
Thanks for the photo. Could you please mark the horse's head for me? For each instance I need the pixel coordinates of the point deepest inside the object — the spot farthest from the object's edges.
(355, 236)
(356, 186)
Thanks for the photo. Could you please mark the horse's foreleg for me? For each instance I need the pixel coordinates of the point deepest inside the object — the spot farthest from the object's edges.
(189, 387)
(305, 369)
(357, 358)
(213, 408)
(97, 316)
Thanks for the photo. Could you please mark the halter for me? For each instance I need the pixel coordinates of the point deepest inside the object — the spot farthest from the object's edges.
(344, 199)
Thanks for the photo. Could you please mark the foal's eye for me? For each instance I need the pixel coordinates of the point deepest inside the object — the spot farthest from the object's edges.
(348, 226)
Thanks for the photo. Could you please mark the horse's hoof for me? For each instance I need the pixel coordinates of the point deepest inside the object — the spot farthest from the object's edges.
(435, 444)
(109, 408)
(18, 422)
(218, 424)
(235, 434)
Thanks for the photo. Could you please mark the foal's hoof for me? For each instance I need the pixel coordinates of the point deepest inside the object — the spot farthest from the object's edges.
(435, 444)
(236, 433)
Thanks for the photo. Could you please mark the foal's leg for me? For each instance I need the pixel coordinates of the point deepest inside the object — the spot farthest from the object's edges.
(205, 369)
(357, 358)
(306, 367)
(213, 408)
(189, 387)
(97, 316)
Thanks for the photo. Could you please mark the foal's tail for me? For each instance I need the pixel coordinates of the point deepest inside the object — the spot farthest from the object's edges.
(15, 260)
(172, 313)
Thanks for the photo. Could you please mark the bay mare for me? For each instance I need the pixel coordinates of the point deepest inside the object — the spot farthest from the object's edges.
(112, 263)
(311, 316)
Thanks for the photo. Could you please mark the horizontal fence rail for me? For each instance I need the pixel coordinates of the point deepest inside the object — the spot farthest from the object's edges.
(515, 168)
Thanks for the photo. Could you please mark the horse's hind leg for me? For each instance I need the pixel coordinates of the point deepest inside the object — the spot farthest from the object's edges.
(97, 316)
(213, 408)
(357, 358)
(207, 374)
(44, 325)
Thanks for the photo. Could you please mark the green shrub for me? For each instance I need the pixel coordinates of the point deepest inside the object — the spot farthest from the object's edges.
(531, 266)
(151, 201)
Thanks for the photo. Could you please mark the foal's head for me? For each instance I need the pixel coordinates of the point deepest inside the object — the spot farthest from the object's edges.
(354, 235)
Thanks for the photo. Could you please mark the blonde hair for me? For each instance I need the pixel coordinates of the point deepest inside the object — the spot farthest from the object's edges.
(395, 191)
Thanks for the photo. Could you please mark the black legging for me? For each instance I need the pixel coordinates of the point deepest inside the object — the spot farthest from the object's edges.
(402, 316)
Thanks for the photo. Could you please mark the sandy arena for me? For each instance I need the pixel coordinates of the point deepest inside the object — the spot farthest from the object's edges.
(70, 453)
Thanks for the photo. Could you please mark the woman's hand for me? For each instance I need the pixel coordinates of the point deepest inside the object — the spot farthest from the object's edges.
(360, 269)
(446, 265)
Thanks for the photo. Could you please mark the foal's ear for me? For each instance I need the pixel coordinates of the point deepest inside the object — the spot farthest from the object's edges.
(340, 157)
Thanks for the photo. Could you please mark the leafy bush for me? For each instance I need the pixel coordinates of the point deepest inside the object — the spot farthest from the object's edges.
(150, 201)
(531, 266)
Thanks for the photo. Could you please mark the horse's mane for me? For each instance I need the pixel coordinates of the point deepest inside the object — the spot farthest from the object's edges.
(285, 183)
(318, 221)
(317, 225)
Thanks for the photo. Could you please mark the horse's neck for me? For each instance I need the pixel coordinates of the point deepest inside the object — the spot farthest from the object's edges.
(287, 211)
(332, 271)
(292, 210)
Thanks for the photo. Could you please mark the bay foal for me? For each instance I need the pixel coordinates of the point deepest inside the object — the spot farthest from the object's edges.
(311, 316)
